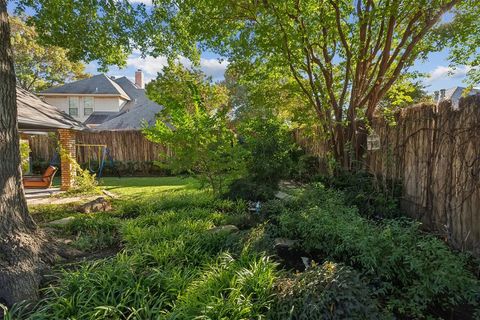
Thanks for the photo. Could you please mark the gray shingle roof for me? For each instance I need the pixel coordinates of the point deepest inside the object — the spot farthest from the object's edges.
(35, 114)
(99, 117)
(98, 84)
(132, 119)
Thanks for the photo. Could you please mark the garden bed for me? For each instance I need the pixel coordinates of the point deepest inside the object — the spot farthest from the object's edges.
(173, 266)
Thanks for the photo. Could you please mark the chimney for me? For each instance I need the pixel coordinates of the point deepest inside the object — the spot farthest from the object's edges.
(442, 94)
(139, 79)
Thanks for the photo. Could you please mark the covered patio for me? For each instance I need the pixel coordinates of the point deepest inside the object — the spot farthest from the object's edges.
(36, 117)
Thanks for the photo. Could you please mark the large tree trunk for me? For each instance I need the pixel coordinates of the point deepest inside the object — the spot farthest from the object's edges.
(22, 244)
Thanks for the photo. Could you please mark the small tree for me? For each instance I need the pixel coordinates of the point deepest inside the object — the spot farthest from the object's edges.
(197, 135)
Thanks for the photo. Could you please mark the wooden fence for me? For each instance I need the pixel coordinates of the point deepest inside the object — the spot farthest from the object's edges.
(435, 152)
(123, 146)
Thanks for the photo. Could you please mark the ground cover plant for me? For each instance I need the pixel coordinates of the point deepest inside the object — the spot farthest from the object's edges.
(412, 274)
(173, 265)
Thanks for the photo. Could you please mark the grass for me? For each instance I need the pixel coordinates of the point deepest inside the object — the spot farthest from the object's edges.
(172, 266)
(147, 187)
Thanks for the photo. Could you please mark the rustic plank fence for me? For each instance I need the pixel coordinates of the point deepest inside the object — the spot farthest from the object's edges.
(123, 146)
(435, 152)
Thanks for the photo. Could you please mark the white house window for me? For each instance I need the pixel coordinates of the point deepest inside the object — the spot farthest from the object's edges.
(87, 106)
(73, 106)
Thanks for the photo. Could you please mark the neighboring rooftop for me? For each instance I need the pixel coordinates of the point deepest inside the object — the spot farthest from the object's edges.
(98, 84)
(454, 94)
(35, 114)
(99, 117)
(134, 119)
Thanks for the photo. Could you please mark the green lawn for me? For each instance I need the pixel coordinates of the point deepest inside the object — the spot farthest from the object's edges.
(145, 187)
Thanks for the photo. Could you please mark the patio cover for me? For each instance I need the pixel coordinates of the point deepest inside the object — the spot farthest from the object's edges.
(35, 114)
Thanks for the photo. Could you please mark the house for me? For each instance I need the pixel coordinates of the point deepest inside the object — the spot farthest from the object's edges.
(97, 100)
(454, 94)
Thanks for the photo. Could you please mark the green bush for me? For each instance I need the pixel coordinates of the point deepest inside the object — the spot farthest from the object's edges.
(269, 145)
(247, 189)
(374, 199)
(414, 272)
(329, 291)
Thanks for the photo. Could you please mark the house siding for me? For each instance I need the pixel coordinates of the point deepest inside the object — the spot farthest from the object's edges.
(113, 104)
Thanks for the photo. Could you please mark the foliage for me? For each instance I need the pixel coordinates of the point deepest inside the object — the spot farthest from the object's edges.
(172, 266)
(93, 232)
(24, 155)
(344, 56)
(414, 274)
(372, 197)
(194, 125)
(460, 34)
(84, 182)
(110, 30)
(328, 291)
(269, 145)
(39, 67)
(251, 87)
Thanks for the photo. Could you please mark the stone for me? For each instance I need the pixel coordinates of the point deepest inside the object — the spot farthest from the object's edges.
(61, 222)
(229, 228)
(283, 196)
(283, 243)
(97, 205)
(110, 194)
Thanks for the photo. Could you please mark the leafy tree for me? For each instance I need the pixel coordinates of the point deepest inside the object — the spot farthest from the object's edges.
(38, 67)
(462, 37)
(344, 55)
(194, 126)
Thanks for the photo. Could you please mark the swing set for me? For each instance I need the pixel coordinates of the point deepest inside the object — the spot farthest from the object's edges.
(98, 153)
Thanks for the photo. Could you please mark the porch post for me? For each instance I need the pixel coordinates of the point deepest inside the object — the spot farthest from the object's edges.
(67, 142)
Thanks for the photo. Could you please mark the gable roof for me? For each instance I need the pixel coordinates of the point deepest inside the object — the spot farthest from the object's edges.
(133, 119)
(35, 114)
(98, 84)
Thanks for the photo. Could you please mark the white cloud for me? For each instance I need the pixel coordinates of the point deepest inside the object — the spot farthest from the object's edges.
(146, 2)
(151, 66)
(214, 67)
(445, 73)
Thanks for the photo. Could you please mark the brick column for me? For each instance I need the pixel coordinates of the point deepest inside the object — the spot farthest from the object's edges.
(67, 142)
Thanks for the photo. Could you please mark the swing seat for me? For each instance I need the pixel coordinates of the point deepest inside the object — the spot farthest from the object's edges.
(40, 182)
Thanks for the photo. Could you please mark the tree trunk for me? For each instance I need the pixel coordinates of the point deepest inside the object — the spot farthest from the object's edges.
(22, 244)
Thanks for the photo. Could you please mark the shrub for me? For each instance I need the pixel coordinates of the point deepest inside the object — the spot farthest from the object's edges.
(249, 190)
(329, 291)
(372, 198)
(24, 155)
(414, 272)
(269, 145)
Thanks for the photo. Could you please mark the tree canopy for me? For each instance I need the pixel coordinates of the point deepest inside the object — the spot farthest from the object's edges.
(38, 67)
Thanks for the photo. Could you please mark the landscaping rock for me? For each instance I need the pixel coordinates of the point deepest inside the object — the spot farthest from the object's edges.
(97, 205)
(282, 244)
(229, 228)
(61, 222)
(283, 196)
(110, 194)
